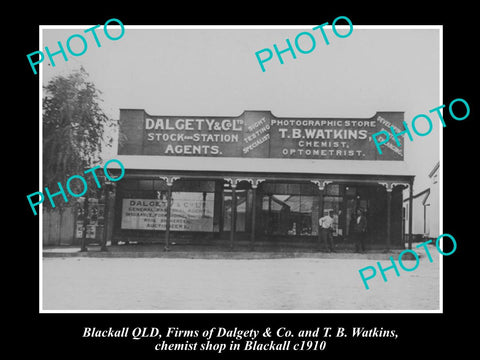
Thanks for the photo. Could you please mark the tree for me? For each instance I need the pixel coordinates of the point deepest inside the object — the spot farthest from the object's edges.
(73, 128)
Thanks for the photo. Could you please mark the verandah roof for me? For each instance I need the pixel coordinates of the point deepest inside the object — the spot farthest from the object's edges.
(258, 165)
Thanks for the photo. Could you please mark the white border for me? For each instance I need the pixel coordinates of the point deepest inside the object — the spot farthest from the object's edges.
(40, 175)
(143, 27)
(440, 159)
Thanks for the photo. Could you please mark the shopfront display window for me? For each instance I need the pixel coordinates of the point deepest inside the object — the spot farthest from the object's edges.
(144, 206)
(289, 214)
(290, 209)
(190, 211)
(275, 209)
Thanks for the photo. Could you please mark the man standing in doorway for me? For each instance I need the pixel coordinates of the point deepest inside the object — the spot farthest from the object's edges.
(359, 231)
(325, 231)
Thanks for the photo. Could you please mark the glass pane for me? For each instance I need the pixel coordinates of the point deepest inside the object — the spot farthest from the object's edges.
(350, 215)
(351, 190)
(277, 214)
(288, 188)
(305, 218)
(241, 210)
(192, 211)
(195, 185)
(293, 189)
(129, 184)
(332, 189)
(308, 189)
(145, 184)
(159, 185)
(290, 214)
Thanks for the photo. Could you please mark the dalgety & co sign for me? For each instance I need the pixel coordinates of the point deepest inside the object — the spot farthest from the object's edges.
(257, 134)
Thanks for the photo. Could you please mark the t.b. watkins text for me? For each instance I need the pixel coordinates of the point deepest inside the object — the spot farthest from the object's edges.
(374, 332)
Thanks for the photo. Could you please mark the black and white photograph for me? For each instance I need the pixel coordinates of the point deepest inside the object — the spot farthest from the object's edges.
(243, 166)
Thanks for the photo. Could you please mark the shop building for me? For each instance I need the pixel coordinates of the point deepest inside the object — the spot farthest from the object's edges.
(257, 180)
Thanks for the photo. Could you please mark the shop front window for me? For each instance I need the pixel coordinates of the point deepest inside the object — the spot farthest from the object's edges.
(289, 214)
(192, 211)
(144, 206)
(291, 209)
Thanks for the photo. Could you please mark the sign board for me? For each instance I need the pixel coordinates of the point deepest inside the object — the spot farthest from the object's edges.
(258, 134)
(190, 211)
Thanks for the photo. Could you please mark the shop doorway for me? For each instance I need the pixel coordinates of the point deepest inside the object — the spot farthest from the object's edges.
(343, 201)
(243, 209)
(356, 198)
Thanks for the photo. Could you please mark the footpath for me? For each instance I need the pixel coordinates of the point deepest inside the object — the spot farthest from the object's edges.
(212, 252)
